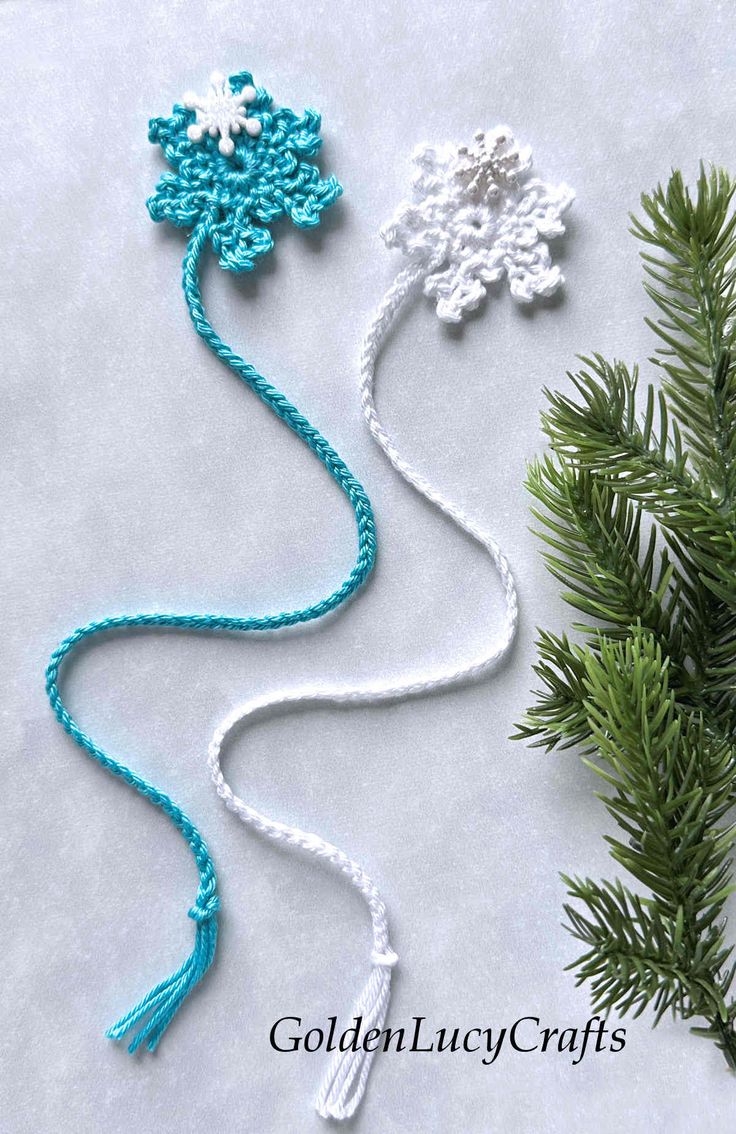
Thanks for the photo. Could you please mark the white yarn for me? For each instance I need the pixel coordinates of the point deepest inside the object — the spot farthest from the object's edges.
(453, 260)
(346, 1077)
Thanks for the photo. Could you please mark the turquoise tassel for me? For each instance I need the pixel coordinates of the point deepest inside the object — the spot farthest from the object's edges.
(156, 1011)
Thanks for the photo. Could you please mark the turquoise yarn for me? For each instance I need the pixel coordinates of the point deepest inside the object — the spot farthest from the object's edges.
(226, 201)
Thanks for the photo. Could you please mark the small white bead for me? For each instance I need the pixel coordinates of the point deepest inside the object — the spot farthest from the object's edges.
(253, 127)
(226, 146)
(195, 132)
(248, 93)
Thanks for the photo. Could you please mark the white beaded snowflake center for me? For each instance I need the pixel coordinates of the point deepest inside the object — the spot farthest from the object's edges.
(221, 112)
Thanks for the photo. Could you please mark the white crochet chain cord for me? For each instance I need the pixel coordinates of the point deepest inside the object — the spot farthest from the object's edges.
(474, 218)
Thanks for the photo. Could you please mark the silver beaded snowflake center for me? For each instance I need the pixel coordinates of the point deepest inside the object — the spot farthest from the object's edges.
(493, 162)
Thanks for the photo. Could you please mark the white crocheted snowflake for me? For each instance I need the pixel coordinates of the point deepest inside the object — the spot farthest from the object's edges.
(476, 217)
(221, 112)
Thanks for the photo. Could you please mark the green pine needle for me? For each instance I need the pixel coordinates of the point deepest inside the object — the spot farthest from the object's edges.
(636, 507)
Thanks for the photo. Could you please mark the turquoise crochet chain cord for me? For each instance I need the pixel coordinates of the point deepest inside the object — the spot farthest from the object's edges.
(265, 176)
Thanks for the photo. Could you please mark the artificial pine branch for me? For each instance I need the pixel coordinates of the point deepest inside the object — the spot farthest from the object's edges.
(637, 507)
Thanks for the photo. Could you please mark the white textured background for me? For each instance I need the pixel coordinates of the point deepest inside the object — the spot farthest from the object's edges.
(138, 474)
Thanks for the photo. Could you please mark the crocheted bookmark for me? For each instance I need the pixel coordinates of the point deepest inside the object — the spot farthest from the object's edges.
(475, 216)
(237, 165)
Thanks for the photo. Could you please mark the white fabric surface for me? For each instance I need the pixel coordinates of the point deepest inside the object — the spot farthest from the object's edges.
(137, 474)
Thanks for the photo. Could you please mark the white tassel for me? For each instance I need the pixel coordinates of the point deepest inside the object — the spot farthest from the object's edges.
(344, 1083)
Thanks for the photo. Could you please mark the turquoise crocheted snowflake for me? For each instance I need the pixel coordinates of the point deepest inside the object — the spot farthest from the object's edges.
(238, 166)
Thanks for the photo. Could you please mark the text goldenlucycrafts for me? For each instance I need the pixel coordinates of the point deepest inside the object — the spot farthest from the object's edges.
(523, 1036)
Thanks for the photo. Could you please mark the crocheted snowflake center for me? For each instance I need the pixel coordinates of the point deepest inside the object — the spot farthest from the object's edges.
(236, 170)
(476, 217)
